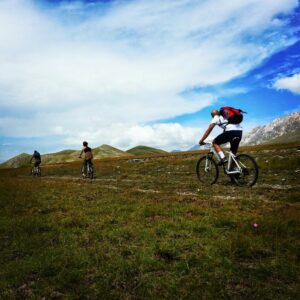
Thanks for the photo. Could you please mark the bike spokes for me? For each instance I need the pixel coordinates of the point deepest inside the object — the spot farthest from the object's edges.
(36, 171)
(207, 170)
(87, 171)
(248, 170)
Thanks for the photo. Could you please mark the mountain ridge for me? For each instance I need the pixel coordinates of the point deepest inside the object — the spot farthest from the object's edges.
(70, 155)
(279, 130)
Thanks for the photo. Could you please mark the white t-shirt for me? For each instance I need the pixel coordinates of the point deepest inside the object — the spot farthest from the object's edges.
(223, 123)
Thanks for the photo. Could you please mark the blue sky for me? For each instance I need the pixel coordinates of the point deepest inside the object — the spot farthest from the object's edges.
(141, 72)
(260, 99)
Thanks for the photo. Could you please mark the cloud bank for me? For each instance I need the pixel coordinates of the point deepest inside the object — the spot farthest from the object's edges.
(81, 71)
(169, 136)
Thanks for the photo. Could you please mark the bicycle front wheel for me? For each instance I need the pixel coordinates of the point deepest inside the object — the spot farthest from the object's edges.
(207, 170)
(249, 171)
(83, 171)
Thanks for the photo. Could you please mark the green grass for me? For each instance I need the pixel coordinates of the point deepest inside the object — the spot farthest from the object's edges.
(149, 231)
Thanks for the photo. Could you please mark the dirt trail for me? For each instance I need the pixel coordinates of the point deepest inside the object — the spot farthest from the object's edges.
(113, 187)
(72, 178)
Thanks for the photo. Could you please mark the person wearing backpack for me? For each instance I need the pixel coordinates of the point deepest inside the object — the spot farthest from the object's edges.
(37, 158)
(229, 119)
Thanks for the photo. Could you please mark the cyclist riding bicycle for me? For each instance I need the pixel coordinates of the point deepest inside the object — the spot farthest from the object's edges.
(88, 155)
(232, 132)
(37, 158)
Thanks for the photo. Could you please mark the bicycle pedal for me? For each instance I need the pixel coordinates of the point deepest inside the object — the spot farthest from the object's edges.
(222, 162)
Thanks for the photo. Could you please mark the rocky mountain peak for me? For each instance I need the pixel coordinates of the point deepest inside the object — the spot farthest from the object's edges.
(286, 125)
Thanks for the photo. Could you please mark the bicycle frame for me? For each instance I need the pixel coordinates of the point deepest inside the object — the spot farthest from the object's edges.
(87, 168)
(231, 158)
(35, 170)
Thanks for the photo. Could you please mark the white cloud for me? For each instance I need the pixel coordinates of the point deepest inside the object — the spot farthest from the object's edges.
(78, 69)
(291, 84)
(168, 136)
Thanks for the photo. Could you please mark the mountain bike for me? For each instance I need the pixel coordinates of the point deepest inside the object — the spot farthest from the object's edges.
(242, 169)
(36, 171)
(87, 170)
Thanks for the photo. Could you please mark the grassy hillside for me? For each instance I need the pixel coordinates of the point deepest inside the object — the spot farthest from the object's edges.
(65, 156)
(144, 150)
(149, 230)
(21, 160)
(60, 157)
(105, 151)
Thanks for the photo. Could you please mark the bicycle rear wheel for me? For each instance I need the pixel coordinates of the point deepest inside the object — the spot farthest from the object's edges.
(35, 171)
(249, 173)
(207, 170)
(90, 172)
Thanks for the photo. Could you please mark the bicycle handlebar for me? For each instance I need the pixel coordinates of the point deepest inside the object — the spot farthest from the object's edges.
(206, 144)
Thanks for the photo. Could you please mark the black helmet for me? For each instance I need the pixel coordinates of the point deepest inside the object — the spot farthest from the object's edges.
(85, 143)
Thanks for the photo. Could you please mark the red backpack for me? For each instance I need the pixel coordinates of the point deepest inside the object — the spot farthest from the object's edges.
(233, 115)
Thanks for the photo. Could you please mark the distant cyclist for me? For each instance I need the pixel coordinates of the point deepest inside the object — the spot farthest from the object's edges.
(37, 158)
(229, 119)
(88, 155)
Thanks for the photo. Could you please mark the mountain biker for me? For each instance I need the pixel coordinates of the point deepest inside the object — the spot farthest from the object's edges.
(88, 155)
(232, 133)
(37, 158)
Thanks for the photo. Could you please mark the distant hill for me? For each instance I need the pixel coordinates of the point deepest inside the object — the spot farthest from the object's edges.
(281, 130)
(60, 157)
(144, 150)
(108, 151)
(64, 156)
(20, 160)
(194, 148)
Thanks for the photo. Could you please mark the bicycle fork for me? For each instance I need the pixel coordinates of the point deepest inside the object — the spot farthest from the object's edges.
(209, 157)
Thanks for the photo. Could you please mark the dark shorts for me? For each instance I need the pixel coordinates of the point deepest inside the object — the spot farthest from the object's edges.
(88, 161)
(233, 137)
(37, 163)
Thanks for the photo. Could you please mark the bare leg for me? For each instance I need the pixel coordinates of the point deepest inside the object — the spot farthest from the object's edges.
(216, 147)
